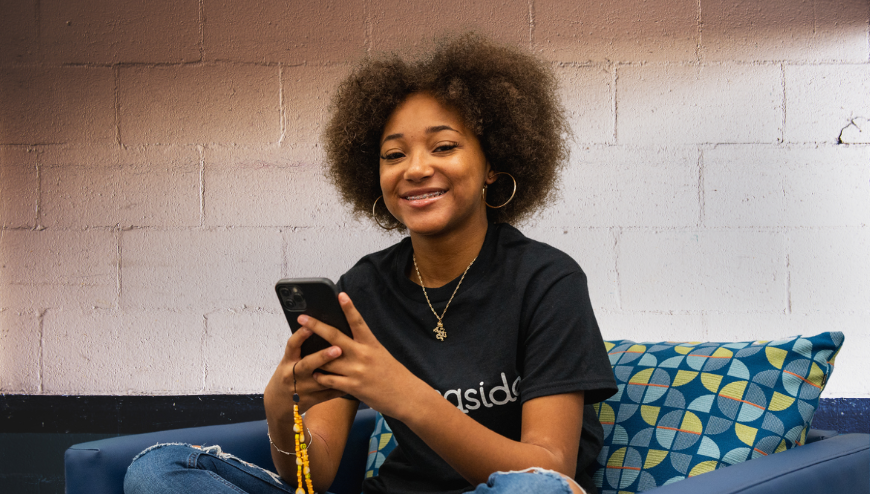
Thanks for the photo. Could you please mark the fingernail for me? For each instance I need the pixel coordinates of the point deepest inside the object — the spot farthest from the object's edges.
(343, 298)
(334, 351)
(302, 319)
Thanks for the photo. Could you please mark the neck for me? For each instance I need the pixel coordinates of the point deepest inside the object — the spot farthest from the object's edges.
(441, 259)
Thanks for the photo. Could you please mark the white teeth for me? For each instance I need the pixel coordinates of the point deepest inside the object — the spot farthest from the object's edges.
(424, 196)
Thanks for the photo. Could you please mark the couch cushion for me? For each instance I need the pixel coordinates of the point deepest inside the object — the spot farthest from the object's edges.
(380, 445)
(683, 409)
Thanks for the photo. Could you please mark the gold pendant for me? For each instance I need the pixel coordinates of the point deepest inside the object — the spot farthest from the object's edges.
(440, 332)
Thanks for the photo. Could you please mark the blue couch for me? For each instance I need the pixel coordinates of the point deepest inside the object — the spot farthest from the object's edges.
(828, 463)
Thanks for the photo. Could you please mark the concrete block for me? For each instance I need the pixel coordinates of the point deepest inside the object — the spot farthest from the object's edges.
(397, 25)
(587, 93)
(307, 92)
(703, 104)
(593, 249)
(199, 104)
(267, 187)
(242, 349)
(823, 100)
(786, 186)
(330, 252)
(623, 186)
(650, 31)
(784, 30)
(119, 31)
(56, 105)
(702, 270)
(199, 269)
(108, 186)
(113, 352)
(829, 269)
(19, 184)
(19, 31)
(19, 352)
(323, 31)
(58, 269)
(650, 326)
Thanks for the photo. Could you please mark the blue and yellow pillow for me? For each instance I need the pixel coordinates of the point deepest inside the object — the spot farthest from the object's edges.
(380, 445)
(684, 409)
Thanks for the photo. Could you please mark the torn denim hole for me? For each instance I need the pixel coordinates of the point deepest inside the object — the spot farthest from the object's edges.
(216, 451)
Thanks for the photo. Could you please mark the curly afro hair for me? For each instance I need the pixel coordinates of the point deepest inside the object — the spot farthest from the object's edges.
(507, 97)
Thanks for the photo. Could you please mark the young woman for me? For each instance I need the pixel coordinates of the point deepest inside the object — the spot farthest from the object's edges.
(478, 345)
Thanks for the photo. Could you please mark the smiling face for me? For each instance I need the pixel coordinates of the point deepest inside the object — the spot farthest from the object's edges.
(432, 169)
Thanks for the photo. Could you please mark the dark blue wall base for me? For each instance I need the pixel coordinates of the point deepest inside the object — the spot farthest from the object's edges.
(843, 415)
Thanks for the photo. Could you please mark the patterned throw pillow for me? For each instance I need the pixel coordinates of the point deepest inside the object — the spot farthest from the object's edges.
(684, 409)
(380, 445)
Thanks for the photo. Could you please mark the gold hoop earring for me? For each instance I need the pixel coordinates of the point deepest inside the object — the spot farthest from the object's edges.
(511, 198)
(375, 216)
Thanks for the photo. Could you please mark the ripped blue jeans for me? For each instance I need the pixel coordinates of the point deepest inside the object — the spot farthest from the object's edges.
(181, 468)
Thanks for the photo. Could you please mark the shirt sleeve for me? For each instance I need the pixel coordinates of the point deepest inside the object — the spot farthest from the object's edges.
(562, 348)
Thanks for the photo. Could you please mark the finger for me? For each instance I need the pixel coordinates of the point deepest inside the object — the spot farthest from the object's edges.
(324, 330)
(293, 349)
(318, 359)
(358, 326)
(331, 381)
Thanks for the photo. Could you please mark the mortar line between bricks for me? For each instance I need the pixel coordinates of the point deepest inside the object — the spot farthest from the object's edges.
(531, 24)
(38, 223)
(616, 232)
(201, 14)
(367, 26)
(37, 12)
(116, 73)
(700, 43)
(201, 152)
(203, 352)
(702, 196)
(614, 105)
(783, 121)
(119, 282)
(787, 273)
(282, 113)
(40, 318)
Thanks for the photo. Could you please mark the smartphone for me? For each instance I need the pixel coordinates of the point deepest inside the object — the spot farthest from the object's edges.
(315, 297)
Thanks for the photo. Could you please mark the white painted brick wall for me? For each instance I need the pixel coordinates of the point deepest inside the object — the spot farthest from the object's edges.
(113, 31)
(18, 187)
(823, 99)
(161, 168)
(694, 104)
(196, 104)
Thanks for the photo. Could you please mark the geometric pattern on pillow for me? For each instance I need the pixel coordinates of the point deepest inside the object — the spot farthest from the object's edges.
(380, 445)
(684, 409)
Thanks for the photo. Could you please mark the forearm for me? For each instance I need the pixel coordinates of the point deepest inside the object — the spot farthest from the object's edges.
(326, 427)
(475, 451)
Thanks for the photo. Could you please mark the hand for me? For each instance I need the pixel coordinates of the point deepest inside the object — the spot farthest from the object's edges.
(366, 369)
(278, 397)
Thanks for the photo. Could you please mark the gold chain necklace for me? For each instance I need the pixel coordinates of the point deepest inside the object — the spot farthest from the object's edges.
(439, 330)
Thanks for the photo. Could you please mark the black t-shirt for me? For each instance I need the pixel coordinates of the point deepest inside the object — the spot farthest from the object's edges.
(521, 326)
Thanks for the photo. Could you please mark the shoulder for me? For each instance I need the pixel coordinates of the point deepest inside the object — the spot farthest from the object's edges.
(532, 258)
(373, 266)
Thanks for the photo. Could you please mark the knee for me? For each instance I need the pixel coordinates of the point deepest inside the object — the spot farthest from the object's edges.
(148, 471)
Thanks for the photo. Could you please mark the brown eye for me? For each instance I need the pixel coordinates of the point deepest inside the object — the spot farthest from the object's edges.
(392, 156)
(442, 148)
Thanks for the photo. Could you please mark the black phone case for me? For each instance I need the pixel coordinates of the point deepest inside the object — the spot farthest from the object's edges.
(321, 302)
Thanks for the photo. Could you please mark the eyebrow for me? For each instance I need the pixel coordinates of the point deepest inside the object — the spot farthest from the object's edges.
(429, 130)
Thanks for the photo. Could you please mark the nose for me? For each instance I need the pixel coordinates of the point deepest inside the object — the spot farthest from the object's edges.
(419, 167)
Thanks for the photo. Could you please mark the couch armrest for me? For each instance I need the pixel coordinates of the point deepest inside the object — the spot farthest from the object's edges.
(838, 464)
(98, 467)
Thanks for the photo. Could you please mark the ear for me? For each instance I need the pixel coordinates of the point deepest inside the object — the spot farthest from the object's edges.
(490, 174)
